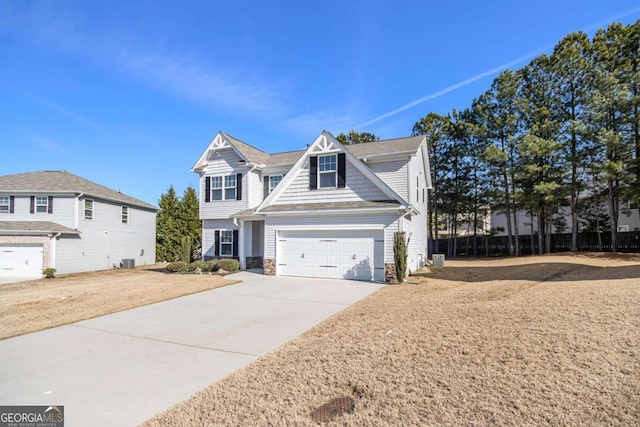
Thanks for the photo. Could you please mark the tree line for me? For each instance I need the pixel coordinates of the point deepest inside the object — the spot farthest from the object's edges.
(559, 134)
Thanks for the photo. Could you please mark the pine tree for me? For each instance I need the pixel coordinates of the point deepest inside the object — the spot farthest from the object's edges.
(168, 227)
(190, 223)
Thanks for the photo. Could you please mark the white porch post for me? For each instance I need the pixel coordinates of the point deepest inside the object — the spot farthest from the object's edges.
(241, 246)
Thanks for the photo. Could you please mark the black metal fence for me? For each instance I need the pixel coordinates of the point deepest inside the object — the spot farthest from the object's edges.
(497, 245)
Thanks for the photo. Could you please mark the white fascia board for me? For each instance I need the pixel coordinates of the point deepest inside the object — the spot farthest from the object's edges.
(348, 211)
(220, 141)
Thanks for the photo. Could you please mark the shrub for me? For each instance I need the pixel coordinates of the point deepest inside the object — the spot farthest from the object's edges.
(211, 265)
(229, 264)
(197, 264)
(400, 252)
(177, 266)
(49, 273)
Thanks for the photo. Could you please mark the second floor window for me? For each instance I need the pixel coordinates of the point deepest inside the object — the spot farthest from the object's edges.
(42, 204)
(274, 180)
(4, 204)
(228, 187)
(216, 188)
(125, 214)
(88, 209)
(327, 169)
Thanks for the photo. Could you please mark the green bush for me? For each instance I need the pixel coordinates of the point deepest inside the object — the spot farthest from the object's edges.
(177, 266)
(197, 264)
(49, 273)
(229, 264)
(211, 265)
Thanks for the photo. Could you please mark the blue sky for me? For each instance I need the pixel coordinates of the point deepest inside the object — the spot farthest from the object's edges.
(129, 93)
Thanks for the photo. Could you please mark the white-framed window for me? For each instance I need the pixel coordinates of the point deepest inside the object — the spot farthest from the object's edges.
(5, 204)
(42, 204)
(274, 180)
(125, 214)
(216, 188)
(88, 209)
(230, 187)
(623, 228)
(327, 171)
(226, 243)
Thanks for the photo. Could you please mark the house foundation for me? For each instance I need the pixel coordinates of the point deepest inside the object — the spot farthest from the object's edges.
(269, 267)
(390, 273)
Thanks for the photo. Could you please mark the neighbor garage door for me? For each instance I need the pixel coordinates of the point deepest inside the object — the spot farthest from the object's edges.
(345, 254)
(21, 261)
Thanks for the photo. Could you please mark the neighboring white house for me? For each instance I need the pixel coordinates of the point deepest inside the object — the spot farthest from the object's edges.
(628, 220)
(60, 220)
(327, 211)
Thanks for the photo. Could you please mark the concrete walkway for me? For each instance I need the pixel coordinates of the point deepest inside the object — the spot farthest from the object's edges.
(123, 368)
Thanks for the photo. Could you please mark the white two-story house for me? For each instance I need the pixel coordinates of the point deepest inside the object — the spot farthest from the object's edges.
(57, 219)
(327, 211)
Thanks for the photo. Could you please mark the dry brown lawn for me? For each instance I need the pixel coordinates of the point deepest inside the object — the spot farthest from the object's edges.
(45, 303)
(545, 340)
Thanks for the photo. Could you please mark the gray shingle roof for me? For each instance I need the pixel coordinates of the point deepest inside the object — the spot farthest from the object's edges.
(64, 182)
(35, 227)
(252, 154)
(378, 148)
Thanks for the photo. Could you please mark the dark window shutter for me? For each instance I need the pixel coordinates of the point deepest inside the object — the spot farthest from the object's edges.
(239, 186)
(265, 186)
(207, 189)
(33, 204)
(12, 204)
(235, 243)
(342, 170)
(313, 173)
(217, 243)
(50, 207)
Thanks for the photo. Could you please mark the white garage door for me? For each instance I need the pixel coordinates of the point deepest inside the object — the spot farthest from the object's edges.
(355, 255)
(20, 261)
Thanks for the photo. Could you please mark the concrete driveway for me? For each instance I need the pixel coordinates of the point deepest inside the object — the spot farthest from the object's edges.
(123, 368)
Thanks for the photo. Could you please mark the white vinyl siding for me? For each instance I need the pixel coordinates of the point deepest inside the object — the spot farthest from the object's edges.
(209, 227)
(255, 189)
(106, 241)
(394, 173)
(63, 210)
(223, 165)
(358, 188)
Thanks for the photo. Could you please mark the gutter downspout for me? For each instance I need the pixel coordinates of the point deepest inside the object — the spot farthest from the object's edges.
(52, 247)
(77, 215)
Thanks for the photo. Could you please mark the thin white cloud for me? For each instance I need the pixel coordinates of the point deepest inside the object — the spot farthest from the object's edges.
(48, 144)
(484, 74)
(215, 86)
(54, 107)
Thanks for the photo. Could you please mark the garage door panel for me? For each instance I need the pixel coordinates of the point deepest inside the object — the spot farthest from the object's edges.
(21, 261)
(331, 254)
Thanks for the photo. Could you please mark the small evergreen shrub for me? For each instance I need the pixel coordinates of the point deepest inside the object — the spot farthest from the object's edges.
(400, 254)
(229, 264)
(197, 264)
(211, 265)
(178, 266)
(49, 273)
